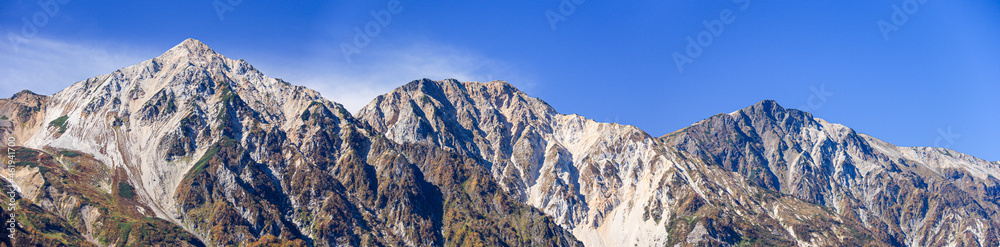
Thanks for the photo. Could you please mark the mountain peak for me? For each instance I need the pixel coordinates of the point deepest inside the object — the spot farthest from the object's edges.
(767, 104)
(188, 48)
(425, 81)
(766, 107)
(192, 45)
(23, 93)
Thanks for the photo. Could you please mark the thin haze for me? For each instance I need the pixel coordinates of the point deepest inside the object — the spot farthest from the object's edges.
(914, 73)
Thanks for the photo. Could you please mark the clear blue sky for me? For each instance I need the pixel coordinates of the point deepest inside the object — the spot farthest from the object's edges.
(938, 71)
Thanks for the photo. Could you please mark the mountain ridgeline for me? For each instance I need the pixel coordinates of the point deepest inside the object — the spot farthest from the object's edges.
(195, 149)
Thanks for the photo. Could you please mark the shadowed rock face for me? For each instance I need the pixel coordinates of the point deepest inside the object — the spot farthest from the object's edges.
(192, 148)
(213, 148)
(21, 111)
(763, 174)
(916, 196)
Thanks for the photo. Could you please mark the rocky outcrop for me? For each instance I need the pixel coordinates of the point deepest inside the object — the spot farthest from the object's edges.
(196, 140)
(19, 114)
(762, 175)
(914, 196)
(77, 199)
(192, 148)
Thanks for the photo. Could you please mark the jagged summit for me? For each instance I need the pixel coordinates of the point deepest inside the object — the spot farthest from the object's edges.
(209, 147)
(148, 114)
(767, 105)
(23, 93)
(474, 102)
(189, 70)
(191, 42)
(494, 94)
(770, 112)
(190, 48)
(499, 84)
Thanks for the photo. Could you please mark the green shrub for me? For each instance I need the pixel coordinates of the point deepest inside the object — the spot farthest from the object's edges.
(126, 190)
(70, 154)
(60, 122)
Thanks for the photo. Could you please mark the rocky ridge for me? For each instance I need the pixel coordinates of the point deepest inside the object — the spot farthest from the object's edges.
(772, 169)
(192, 148)
(211, 145)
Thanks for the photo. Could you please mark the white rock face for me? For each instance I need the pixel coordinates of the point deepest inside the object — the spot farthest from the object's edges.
(614, 185)
(583, 173)
(779, 174)
(831, 165)
(273, 159)
(131, 118)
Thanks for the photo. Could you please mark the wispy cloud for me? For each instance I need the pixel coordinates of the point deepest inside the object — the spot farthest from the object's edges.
(379, 71)
(47, 66)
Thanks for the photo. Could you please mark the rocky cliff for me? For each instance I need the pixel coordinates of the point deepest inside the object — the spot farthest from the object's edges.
(192, 148)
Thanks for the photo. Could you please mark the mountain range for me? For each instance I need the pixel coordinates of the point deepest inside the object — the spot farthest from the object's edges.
(192, 148)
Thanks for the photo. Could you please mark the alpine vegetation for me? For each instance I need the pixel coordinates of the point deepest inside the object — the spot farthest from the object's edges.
(192, 148)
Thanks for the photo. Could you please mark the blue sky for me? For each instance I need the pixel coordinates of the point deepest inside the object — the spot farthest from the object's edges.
(928, 76)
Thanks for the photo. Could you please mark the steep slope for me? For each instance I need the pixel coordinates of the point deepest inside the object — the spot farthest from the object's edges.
(918, 196)
(162, 123)
(237, 158)
(34, 226)
(477, 212)
(132, 117)
(509, 132)
(193, 148)
(82, 200)
(21, 110)
(611, 184)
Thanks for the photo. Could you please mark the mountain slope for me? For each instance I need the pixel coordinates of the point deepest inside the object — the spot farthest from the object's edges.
(919, 196)
(615, 185)
(236, 158)
(192, 148)
(43, 228)
(96, 204)
(596, 179)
